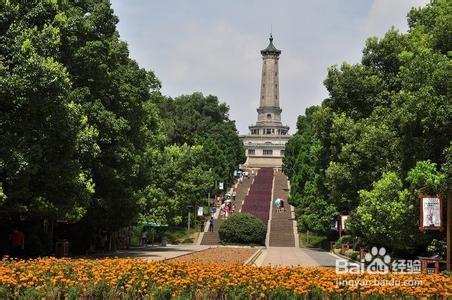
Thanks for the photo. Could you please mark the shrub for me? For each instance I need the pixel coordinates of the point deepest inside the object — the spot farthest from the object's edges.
(345, 239)
(243, 229)
(352, 254)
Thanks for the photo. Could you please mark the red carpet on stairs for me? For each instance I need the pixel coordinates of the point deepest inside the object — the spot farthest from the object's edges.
(259, 197)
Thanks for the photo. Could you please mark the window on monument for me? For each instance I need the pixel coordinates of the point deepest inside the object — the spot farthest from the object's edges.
(276, 85)
(267, 152)
(269, 131)
(276, 73)
(282, 152)
(262, 96)
(273, 131)
(269, 116)
(251, 151)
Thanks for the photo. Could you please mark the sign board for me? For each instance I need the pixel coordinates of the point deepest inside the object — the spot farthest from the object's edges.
(430, 212)
(221, 185)
(343, 222)
(200, 211)
(334, 225)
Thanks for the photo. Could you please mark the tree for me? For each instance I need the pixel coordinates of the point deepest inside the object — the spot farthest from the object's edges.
(43, 128)
(202, 120)
(382, 119)
(386, 215)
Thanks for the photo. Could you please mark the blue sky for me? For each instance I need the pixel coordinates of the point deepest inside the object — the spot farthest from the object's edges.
(212, 46)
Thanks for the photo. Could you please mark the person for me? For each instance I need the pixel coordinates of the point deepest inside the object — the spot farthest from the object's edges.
(281, 204)
(144, 237)
(233, 195)
(227, 208)
(222, 209)
(211, 223)
(103, 241)
(278, 204)
(233, 208)
(17, 242)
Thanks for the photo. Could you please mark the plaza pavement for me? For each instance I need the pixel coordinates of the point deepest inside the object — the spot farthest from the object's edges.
(154, 252)
(291, 256)
(274, 256)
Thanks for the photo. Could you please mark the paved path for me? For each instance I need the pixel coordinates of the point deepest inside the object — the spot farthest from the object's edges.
(291, 256)
(154, 252)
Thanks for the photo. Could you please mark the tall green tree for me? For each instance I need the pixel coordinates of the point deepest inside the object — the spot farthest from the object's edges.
(202, 120)
(77, 113)
(382, 119)
(43, 127)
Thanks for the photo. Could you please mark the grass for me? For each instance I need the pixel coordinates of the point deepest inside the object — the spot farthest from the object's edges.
(174, 235)
(180, 235)
(313, 240)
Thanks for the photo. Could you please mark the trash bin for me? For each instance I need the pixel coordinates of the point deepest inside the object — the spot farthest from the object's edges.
(163, 243)
(62, 248)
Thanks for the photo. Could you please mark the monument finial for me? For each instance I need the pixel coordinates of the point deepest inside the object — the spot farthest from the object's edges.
(271, 33)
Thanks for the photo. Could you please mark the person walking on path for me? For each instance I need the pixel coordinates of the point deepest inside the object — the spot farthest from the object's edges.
(211, 223)
(281, 204)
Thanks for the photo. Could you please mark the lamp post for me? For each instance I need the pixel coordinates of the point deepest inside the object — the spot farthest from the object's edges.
(449, 230)
(188, 221)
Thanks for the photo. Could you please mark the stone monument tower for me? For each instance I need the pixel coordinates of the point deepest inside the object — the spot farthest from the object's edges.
(265, 143)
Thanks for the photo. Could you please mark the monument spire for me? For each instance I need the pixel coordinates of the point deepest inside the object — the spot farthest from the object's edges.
(269, 98)
(266, 142)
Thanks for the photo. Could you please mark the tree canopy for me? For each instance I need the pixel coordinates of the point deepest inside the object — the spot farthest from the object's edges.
(85, 134)
(385, 127)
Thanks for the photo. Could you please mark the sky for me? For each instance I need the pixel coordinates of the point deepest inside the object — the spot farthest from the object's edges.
(213, 46)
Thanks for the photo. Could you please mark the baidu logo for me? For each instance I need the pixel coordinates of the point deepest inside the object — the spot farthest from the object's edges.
(377, 262)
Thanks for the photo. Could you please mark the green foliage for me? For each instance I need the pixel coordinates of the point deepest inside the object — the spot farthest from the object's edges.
(178, 235)
(345, 239)
(201, 120)
(352, 254)
(314, 240)
(424, 178)
(85, 134)
(381, 138)
(437, 247)
(243, 228)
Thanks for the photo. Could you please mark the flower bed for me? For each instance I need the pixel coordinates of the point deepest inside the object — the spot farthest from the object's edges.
(137, 279)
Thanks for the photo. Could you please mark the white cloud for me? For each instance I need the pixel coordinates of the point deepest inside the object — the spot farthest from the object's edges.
(213, 46)
(386, 13)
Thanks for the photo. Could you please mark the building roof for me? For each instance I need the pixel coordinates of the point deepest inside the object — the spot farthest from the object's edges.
(271, 49)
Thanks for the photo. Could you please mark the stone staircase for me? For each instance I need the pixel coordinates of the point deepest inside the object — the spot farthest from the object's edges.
(213, 238)
(257, 202)
(281, 226)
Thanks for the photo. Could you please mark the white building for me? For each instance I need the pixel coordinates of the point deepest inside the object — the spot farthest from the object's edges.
(265, 143)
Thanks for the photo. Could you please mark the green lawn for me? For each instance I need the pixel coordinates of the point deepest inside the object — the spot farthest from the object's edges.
(313, 240)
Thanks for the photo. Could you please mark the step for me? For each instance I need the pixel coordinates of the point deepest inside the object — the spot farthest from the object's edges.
(281, 231)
